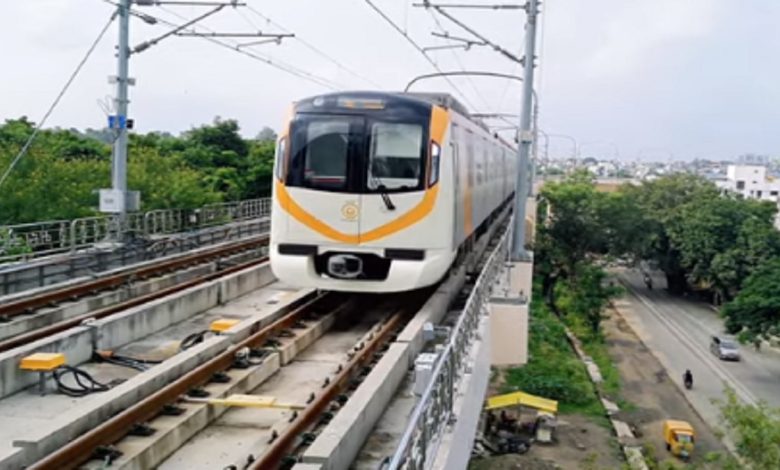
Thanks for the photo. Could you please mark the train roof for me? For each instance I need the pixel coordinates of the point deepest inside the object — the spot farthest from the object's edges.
(445, 100)
(414, 99)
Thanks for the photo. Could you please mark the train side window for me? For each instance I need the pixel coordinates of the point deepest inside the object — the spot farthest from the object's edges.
(433, 178)
(281, 148)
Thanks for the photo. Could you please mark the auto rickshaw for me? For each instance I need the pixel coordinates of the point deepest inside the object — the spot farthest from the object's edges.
(679, 438)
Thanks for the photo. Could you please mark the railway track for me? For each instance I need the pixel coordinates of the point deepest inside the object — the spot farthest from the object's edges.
(27, 305)
(99, 440)
(292, 434)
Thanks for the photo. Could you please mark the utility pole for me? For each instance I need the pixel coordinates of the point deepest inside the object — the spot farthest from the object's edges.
(119, 157)
(526, 134)
(535, 150)
(118, 200)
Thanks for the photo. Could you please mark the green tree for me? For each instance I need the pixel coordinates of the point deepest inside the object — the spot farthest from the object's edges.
(756, 429)
(587, 295)
(58, 176)
(259, 177)
(661, 201)
(572, 231)
(756, 309)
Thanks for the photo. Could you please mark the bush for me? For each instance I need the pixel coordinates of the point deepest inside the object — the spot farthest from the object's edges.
(553, 370)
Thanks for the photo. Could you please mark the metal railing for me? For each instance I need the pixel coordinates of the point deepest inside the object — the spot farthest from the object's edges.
(420, 441)
(32, 240)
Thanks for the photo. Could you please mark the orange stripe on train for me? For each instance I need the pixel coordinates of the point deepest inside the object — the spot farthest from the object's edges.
(414, 215)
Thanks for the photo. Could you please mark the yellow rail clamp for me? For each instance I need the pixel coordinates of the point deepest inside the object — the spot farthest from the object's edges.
(222, 325)
(249, 401)
(524, 399)
(43, 361)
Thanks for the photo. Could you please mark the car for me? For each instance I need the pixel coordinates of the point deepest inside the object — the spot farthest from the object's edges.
(725, 348)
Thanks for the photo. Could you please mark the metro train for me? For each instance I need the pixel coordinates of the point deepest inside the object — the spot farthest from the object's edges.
(382, 192)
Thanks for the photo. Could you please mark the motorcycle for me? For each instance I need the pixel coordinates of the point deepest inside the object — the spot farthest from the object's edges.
(688, 381)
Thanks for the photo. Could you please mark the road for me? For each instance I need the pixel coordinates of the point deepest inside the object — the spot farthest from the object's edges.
(678, 332)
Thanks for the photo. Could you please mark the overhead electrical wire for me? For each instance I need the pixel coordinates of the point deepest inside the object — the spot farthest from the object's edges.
(421, 51)
(541, 53)
(457, 59)
(292, 70)
(54, 104)
(315, 49)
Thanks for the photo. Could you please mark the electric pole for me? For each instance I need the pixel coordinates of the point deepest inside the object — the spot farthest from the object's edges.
(118, 122)
(118, 200)
(526, 135)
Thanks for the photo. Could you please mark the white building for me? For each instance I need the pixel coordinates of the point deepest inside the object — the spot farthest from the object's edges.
(751, 181)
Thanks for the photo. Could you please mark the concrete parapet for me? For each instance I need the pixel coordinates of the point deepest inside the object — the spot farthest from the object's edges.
(138, 322)
(11, 458)
(48, 316)
(339, 443)
(455, 448)
(237, 284)
(432, 311)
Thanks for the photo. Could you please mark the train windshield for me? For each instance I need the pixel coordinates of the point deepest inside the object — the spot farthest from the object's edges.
(394, 157)
(347, 153)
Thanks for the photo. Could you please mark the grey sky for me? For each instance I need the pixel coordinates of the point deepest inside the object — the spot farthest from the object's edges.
(697, 78)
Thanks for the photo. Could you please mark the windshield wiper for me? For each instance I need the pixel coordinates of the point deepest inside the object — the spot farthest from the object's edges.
(383, 192)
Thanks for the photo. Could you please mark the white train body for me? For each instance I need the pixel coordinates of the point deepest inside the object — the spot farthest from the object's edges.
(380, 192)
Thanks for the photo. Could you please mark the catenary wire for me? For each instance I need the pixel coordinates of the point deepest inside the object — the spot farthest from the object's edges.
(315, 49)
(420, 50)
(292, 70)
(54, 104)
(458, 61)
(234, 46)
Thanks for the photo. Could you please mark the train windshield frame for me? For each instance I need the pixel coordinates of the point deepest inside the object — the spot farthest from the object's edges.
(358, 153)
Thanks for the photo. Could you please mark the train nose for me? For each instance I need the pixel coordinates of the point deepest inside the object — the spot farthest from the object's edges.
(345, 266)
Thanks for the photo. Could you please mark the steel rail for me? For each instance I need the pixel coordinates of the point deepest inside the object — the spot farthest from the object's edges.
(33, 335)
(81, 449)
(26, 304)
(308, 417)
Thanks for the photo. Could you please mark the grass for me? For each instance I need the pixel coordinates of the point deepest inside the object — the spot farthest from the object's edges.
(597, 349)
(553, 369)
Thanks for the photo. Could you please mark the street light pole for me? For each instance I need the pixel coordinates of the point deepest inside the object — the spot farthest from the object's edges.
(526, 135)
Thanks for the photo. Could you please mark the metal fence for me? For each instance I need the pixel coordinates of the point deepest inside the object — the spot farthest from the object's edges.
(25, 241)
(419, 443)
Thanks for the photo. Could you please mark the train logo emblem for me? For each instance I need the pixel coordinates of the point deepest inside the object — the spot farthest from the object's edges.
(349, 211)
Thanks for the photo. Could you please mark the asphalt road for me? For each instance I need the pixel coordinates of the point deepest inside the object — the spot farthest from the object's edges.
(678, 332)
